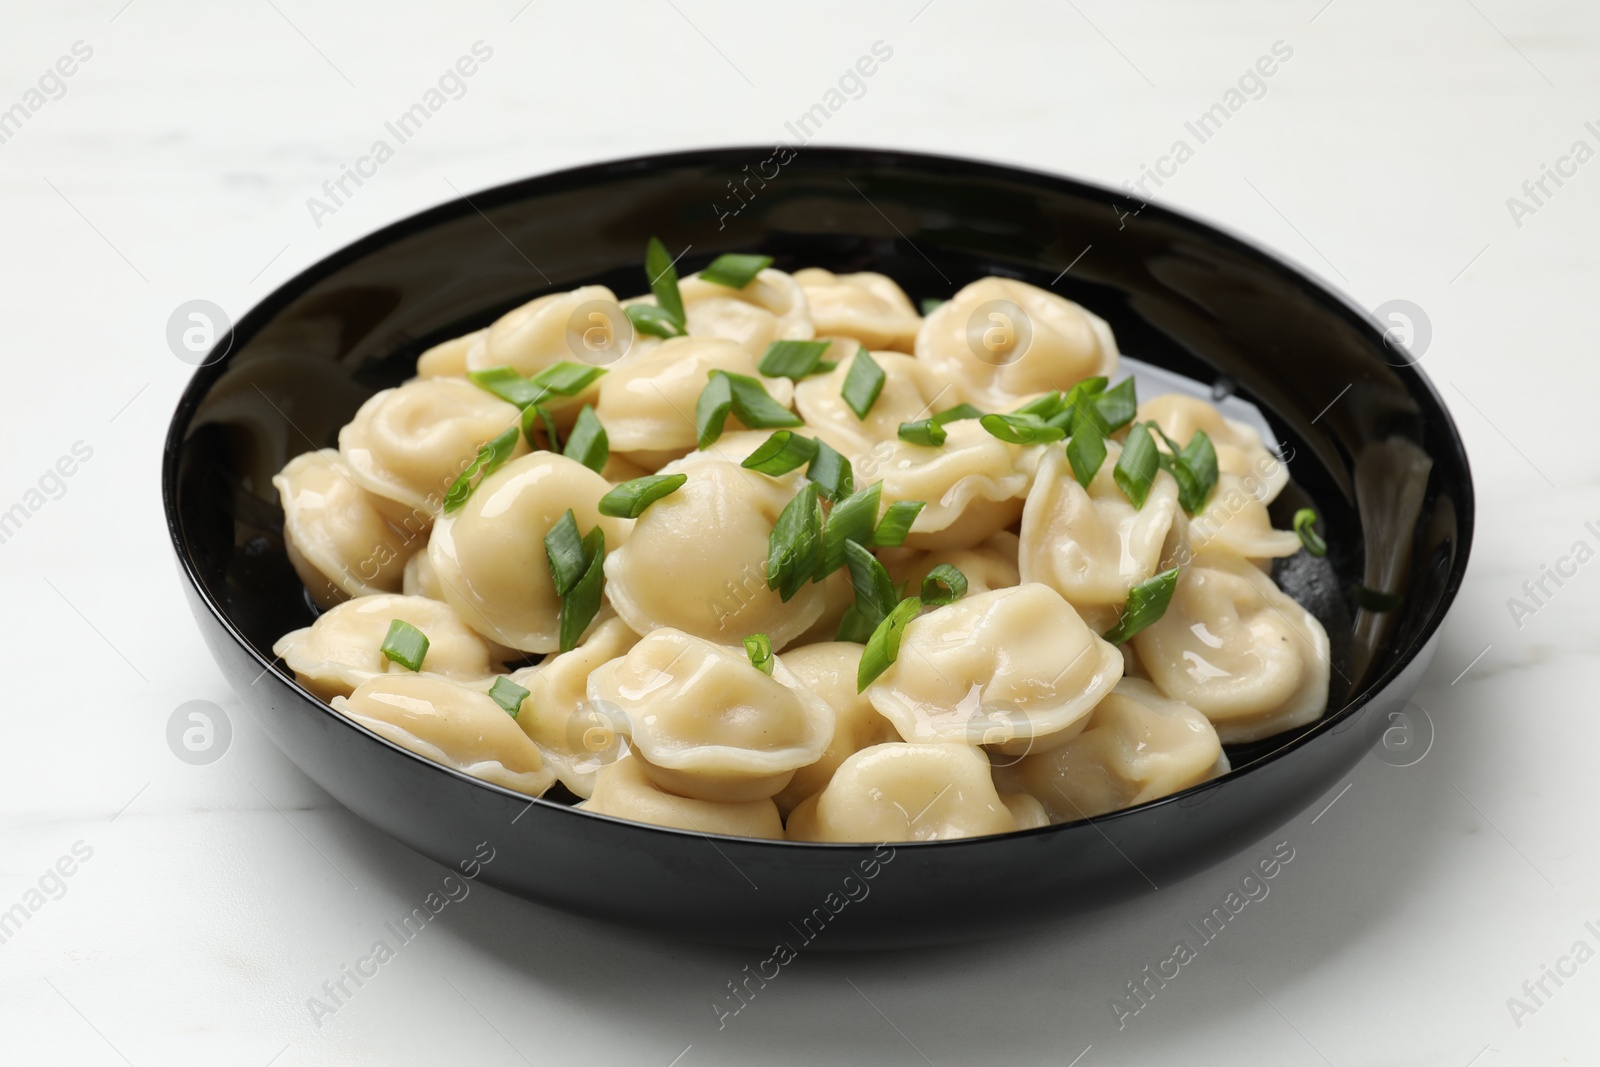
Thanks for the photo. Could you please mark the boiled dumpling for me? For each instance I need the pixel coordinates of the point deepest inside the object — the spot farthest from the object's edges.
(910, 391)
(1015, 669)
(708, 723)
(1234, 521)
(576, 738)
(696, 560)
(997, 360)
(901, 792)
(448, 359)
(973, 484)
(718, 311)
(1138, 746)
(449, 724)
(344, 647)
(1028, 812)
(542, 333)
(1239, 447)
(334, 533)
(490, 554)
(1092, 545)
(408, 444)
(865, 307)
(990, 566)
(829, 671)
(624, 791)
(1234, 646)
(420, 578)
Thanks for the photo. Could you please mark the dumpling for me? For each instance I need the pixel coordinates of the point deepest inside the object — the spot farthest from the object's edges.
(420, 578)
(448, 724)
(714, 310)
(990, 566)
(1015, 669)
(1138, 746)
(336, 537)
(624, 791)
(973, 484)
(1092, 545)
(1234, 646)
(829, 671)
(910, 391)
(489, 554)
(1028, 812)
(542, 333)
(838, 597)
(448, 359)
(576, 738)
(1234, 521)
(866, 307)
(647, 405)
(1239, 447)
(708, 723)
(344, 647)
(696, 560)
(901, 792)
(997, 360)
(409, 444)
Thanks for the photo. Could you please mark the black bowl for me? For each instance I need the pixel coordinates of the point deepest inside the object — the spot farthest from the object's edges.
(1373, 449)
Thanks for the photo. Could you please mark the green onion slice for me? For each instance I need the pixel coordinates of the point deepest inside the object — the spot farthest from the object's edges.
(852, 627)
(930, 304)
(863, 383)
(734, 270)
(1117, 405)
(926, 432)
(875, 589)
(588, 443)
(945, 584)
(1147, 602)
(581, 603)
(883, 647)
(1086, 451)
(1024, 429)
(647, 318)
(629, 499)
(744, 397)
(1137, 466)
(560, 379)
(1305, 525)
(563, 548)
(711, 410)
(664, 282)
(851, 520)
(793, 359)
(781, 453)
(536, 417)
(957, 414)
(405, 644)
(832, 473)
(896, 523)
(759, 648)
(794, 549)
(489, 459)
(508, 694)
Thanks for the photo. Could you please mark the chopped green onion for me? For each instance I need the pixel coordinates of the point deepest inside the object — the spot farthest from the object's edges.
(628, 500)
(1086, 451)
(795, 545)
(831, 471)
(581, 603)
(852, 627)
(1080, 407)
(1024, 429)
(664, 282)
(405, 644)
(746, 398)
(1305, 525)
(793, 359)
(563, 548)
(759, 648)
(711, 410)
(781, 453)
(536, 417)
(567, 378)
(863, 383)
(1147, 602)
(851, 519)
(647, 318)
(1046, 405)
(957, 414)
(508, 694)
(507, 384)
(1193, 467)
(735, 271)
(883, 647)
(1375, 599)
(924, 432)
(560, 379)
(875, 590)
(896, 523)
(588, 443)
(489, 459)
(1137, 466)
(945, 584)
(930, 304)
(1118, 405)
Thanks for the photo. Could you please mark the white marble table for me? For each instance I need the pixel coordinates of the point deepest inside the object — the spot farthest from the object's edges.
(207, 904)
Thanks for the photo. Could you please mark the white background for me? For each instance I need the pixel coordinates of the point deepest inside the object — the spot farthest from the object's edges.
(218, 899)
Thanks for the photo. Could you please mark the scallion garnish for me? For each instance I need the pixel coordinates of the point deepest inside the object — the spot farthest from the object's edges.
(489, 459)
(883, 647)
(1118, 405)
(862, 383)
(405, 644)
(875, 589)
(1193, 467)
(851, 519)
(564, 550)
(1137, 466)
(746, 398)
(831, 471)
(1147, 602)
(793, 359)
(712, 409)
(581, 603)
(1045, 406)
(588, 443)
(560, 379)
(629, 499)
(537, 417)
(759, 648)
(930, 304)
(664, 283)
(957, 414)
(647, 318)
(734, 270)
(945, 584)
(508, 694)
(1305, 525)
(924, 432)
(1024, 429)
(896, 523)
(794, 548)
(781, 453)
(1086, 451)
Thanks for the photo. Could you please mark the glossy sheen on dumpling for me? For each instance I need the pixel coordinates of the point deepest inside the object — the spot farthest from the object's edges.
(708, 723)
(973, 484)
(336, 537)
(449, 724)
(1015, 669)
(997, 363)
(490, 555)
(1239, 447)
(541, 333)
(448, 359)
(710, 308)
(910, 391)
(829, 671)
(647, 405)
(901, 792)
(990, 566)
(1235, 522)
(1138, 746)
(865, 307)
(343, 648)
(1092, 545)
(696, 560)
(622, 790)
(408, 444)
(576, 738)
(1234, 646)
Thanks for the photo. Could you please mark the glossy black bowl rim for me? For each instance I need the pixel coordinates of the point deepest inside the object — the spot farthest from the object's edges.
(1418, 385)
